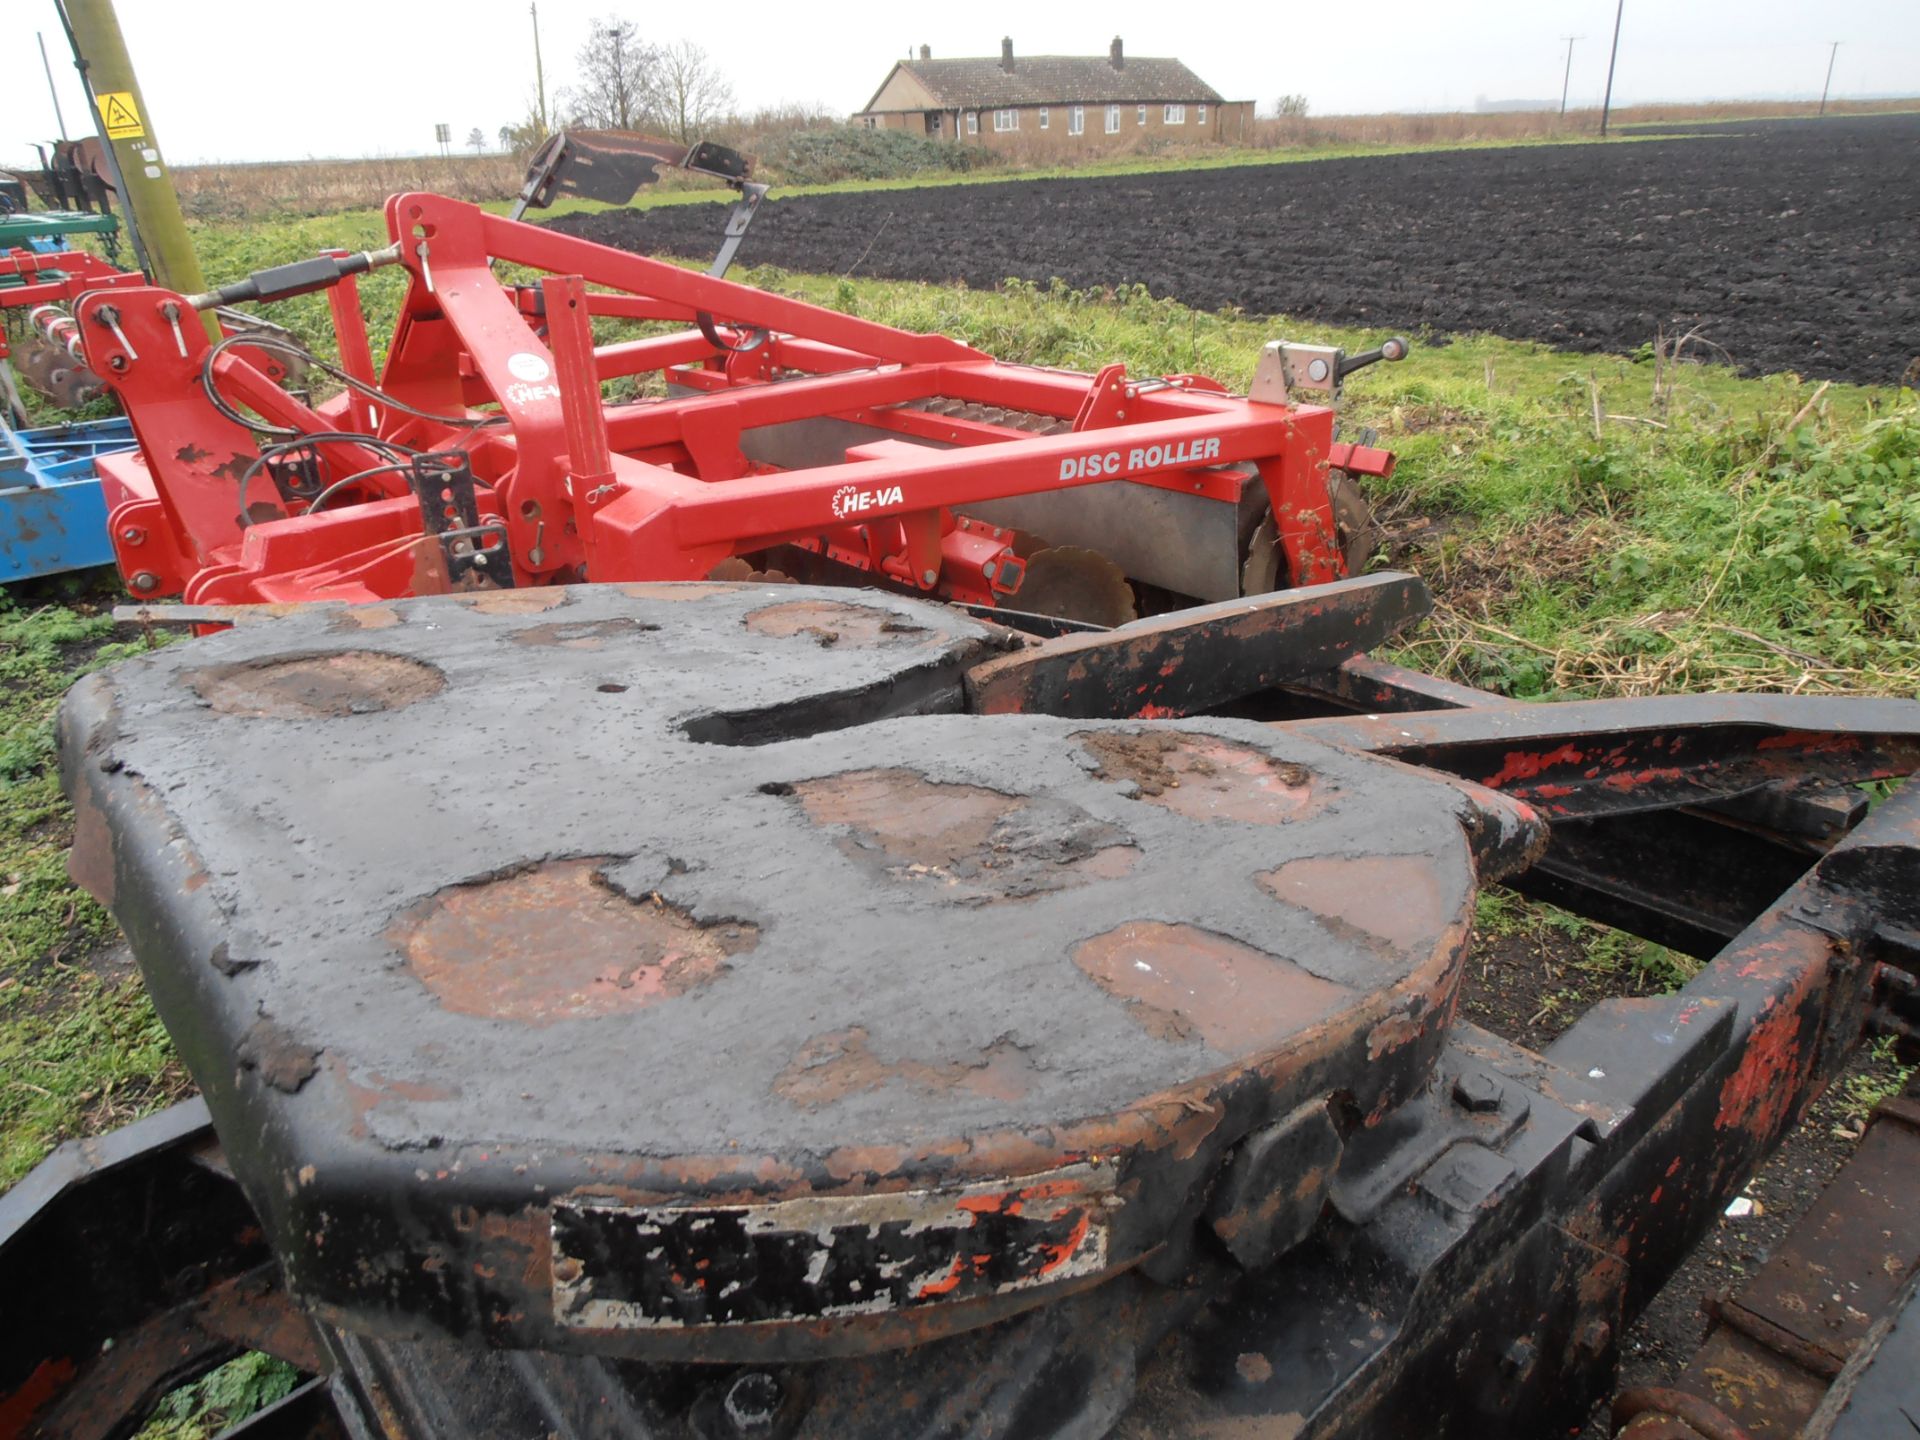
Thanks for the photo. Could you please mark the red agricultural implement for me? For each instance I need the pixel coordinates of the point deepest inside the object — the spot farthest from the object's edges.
(766, 434)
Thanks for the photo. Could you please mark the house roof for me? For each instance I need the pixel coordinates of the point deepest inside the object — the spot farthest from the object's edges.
(985, 84)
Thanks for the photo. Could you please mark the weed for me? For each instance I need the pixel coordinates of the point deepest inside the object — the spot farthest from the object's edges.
(241, 1387)
(80, 1048)
(1498, 912)
(1882, 1078)
(1644, 967)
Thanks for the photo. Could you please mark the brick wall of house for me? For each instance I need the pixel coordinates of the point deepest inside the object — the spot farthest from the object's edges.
(1227, 124)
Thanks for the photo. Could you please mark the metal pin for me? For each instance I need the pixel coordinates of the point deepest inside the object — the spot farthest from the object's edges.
(426, 270)
(110, 317)
(172, 312)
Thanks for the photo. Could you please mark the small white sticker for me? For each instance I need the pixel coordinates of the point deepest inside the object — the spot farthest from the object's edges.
(152, 157)
(153, 172)
(525, 365)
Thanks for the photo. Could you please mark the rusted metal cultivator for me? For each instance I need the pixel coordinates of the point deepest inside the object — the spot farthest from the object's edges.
(708, 1010)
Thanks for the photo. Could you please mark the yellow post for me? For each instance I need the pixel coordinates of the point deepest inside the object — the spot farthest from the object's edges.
(126, 126)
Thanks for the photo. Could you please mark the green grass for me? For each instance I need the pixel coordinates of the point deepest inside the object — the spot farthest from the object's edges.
(224, 1397)
(1881, 1077)
(80, 1047)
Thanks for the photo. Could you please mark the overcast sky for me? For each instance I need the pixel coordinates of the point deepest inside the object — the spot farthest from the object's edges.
(374, 79)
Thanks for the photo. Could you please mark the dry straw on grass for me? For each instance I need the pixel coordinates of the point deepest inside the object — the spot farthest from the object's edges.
(317, 187)
(1611, 659)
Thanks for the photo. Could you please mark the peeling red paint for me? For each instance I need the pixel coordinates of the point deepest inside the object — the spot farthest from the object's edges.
(1526, 764)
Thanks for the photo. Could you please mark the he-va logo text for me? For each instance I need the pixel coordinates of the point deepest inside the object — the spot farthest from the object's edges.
(1141, 457)
(851, 499)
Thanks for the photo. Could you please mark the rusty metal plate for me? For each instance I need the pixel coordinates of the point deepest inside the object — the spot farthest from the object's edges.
(627, 1267)
(654, 906)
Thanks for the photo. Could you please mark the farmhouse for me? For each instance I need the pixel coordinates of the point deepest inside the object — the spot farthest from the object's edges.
(1073, 102)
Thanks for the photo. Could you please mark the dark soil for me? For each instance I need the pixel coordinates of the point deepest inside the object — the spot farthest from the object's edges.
(1793, 245)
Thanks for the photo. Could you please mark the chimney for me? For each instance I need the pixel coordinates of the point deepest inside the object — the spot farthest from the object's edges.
(1006, 54)
(1116, 56)
(926, 52)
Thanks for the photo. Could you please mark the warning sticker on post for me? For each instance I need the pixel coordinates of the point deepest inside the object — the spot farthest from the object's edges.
(121, 116)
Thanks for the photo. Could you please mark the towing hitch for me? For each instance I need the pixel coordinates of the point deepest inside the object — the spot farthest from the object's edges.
(843, 1016)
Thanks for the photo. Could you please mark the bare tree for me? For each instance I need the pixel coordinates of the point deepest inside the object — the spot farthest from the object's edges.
(689, 92)
(477, 139)
(616, 76)
(524, 138)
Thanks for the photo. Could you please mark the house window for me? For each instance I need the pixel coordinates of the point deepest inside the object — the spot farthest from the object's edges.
(1200, 114)
(1174, 115)
(973, 122)
(1005, 120)
(1113, 119)
(1141, 116)
(1043, 117)
(872, 121)
(1077, 120)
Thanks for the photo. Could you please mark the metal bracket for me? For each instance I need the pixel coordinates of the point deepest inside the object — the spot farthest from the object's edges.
(752, 192)
(443, 484)
(1285, 367)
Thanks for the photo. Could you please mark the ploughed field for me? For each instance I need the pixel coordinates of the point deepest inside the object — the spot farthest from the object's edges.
(1792, 245)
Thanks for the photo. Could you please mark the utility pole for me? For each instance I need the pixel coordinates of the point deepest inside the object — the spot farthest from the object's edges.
(1829, 85)
(1567, 79)
(1606, 105)
(152, 205)
(539, 70)
(61, 119)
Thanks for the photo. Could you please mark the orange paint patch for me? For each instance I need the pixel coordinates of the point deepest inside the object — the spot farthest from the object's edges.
(1394, 900)
(1180, 982)
(556, 943)
(1203, 777)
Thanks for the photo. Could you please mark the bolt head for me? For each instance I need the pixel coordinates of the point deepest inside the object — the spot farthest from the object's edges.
(927, 577)
(133, 535)
(753, 1401)
(1517, 1358)
(145, 581)
(1477, 1091)
(117, 363)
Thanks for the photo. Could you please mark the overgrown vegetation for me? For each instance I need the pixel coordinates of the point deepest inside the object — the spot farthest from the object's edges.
(210, 1404)
(852, 152)
(1881, 1078)
(80, 1048)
